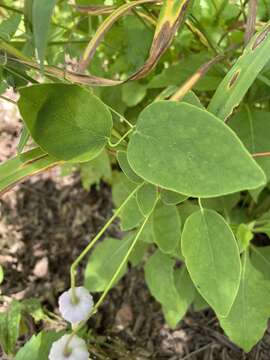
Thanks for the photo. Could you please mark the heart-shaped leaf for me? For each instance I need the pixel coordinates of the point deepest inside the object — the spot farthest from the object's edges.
(188, 150)
(66, 121)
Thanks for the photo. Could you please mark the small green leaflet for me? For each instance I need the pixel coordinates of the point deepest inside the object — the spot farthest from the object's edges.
(10, 326)
(172, 197)
(41, 13)
(260, 258)
(147, 196)
(186, 293)
(9, 26)
(66, 121)
(96, 169)
(125, 167)
(131, 215)
(222, 204)
(159, 277)
(247, 321)
(212, 259)
(185, 149)
(38, 347)
(167, 228)
(133, 93)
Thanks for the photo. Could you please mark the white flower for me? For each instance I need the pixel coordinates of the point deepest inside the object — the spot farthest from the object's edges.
(63, 349)
(79, 310)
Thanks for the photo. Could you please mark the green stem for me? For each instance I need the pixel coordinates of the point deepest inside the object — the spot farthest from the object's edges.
(113, 279)
(122, 118)
(7, 99)
(101, 299)
(73, 268)
(200, 204)
(120, 140)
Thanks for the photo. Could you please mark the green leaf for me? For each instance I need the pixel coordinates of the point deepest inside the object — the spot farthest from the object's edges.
(260, 258)
(177, 74)
(159, 277)
(199, 304)
(10, 327)
(131, 215)
(104, 261)
(67, 121)
(167, 228)
(96, 169)
(133, 93)
(212, 259)
(9, 26)
(34, 308)
(38, 347)
(41, 14)
(147, 196)
(147, 234)
(2, 275)
(253, 127)
(137, 255)
(186, 209)
(23, 165)
(244, 235)
(172, 197)
(186, 293)
(125, 167)
(222, 204)
(186, 149)
(247, 320)
(238, 80)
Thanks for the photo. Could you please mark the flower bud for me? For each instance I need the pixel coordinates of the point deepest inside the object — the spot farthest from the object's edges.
(76, 308)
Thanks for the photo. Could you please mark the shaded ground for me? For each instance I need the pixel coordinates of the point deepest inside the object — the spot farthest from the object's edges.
(45, 223)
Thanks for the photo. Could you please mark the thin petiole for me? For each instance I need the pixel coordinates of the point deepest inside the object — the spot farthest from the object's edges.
(121, 117)
(104, 294)
(8, 99)
(120, 140)
(75, 264)
(200, 204)
(116, 274)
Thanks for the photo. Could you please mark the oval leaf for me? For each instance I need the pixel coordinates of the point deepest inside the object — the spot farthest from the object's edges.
(188, 150)
(161, 283)
(172, 198)
(42, 12)
(147, 197)
(125, 167)
(247, 320)
(212, 259)
(167, 228)
(66, 121)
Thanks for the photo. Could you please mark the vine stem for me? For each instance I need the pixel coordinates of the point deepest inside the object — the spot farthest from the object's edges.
(121, 117)
(115, 275)
(200, 204)
(121, 139)
(261, 154)
(73, 268)
(8, 99)
(101, 299)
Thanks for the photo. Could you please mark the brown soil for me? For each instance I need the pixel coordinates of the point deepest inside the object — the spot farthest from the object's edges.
(44, 224)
